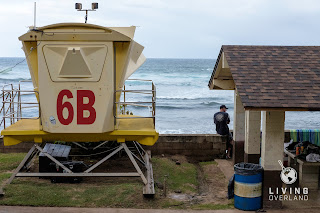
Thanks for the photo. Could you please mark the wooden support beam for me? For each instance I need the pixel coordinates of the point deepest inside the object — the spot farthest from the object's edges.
(128, 174)
(224, 61)
(148, 189)
(223, 84)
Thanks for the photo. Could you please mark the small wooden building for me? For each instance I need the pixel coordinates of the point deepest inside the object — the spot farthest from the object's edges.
(271, 80)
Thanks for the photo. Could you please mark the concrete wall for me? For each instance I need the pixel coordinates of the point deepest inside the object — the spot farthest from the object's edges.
(22, 147)
(200, 147)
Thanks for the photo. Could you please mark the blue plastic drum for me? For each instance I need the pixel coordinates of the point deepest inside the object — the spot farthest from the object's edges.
(248, 186)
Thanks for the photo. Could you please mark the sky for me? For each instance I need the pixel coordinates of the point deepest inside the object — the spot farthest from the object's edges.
(175, 28)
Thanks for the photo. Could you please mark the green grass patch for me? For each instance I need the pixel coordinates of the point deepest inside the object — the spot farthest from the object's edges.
(22, 192)
(173, 204)
(4, 176)
(179, 177)
(126, 194)
(10, 161)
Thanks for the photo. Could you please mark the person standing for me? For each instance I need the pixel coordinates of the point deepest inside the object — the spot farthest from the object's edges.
(222, 119)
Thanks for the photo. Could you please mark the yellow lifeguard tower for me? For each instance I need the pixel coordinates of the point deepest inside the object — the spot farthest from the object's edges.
(78, 73)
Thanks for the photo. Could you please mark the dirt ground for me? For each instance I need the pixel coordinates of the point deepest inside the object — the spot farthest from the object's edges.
(212, 184)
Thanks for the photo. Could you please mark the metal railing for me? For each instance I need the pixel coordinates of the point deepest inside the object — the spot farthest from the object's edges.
(151, 105)
(13, 103)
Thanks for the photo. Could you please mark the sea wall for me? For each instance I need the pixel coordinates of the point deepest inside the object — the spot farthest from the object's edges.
(198, 146)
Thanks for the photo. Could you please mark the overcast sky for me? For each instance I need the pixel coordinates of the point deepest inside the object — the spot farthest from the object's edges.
(175, 28)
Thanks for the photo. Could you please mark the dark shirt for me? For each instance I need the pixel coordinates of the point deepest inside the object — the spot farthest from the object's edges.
(221, 119)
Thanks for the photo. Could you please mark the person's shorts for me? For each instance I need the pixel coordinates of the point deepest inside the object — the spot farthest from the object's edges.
(229, 139)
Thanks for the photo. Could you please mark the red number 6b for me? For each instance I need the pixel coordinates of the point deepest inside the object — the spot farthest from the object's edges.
(81, 107)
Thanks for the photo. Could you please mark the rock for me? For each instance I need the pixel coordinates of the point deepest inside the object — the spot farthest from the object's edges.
(159, 185)
(178, 162)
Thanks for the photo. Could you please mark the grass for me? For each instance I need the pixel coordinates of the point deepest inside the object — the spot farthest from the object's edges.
(10, 161)
(4, 176)
(126, 194)
(204, 163)
(23, 192)
(173, 204)
(118, 193)
(179, 177)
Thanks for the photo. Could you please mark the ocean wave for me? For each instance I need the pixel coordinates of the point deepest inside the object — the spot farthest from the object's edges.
(14, 79)
(179, 83)
(185, 131)
(210, 103)
(180, 97)
(193, 106)
(171, 131)
(206, 99)
(174, 107)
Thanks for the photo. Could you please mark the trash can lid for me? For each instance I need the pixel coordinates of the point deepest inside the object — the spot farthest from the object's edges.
(247, 169)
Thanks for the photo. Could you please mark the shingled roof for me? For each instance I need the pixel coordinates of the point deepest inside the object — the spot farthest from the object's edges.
(277, 77)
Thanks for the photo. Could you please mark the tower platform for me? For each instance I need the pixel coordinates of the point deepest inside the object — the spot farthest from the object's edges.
(128, 128)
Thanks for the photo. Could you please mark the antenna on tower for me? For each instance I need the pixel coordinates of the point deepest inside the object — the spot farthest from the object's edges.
(78, 7)
(35, 15)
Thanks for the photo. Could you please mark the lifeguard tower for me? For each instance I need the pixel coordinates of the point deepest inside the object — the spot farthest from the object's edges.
(78, 73)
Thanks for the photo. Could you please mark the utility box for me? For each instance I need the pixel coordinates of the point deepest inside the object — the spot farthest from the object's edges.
(59, 152)
(76, 69)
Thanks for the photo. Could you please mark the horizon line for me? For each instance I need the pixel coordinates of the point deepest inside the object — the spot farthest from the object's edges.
(146, 57)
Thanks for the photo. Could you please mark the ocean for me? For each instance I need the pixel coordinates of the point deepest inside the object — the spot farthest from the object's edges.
(185, 105)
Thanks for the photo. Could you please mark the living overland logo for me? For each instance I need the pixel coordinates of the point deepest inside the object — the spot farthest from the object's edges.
(288, 176)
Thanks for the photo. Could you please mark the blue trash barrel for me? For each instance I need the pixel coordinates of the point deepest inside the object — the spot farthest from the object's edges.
(248, 186)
